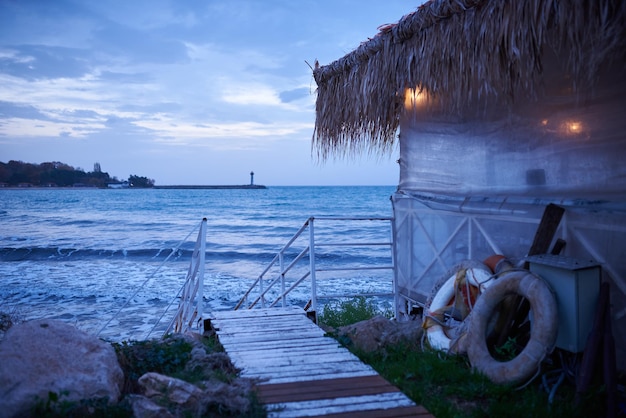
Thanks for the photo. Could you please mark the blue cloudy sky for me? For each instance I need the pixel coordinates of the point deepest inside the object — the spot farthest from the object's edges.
(180, 91)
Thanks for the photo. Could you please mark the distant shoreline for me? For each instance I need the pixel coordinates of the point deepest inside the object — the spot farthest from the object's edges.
(173, 187)
(243, 186)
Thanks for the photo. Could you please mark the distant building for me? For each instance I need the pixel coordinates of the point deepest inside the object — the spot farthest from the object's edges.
(118, 185)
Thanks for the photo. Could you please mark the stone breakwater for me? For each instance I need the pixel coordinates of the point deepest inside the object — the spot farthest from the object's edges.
(209, 187)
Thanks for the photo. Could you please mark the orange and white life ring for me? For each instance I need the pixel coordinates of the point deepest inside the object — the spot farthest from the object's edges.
(457, 293)
(543, 333)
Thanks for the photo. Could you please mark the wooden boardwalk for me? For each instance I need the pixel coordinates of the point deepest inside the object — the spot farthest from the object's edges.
(302, 372)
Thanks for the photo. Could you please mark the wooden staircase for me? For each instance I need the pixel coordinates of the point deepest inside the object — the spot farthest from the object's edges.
(302, 372)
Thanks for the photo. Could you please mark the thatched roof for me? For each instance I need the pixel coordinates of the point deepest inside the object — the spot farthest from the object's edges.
(459, 52)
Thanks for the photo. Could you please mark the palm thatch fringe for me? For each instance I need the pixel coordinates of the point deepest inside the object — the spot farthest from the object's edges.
(460, 52)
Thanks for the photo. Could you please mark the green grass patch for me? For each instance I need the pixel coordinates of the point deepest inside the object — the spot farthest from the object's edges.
(446, 385)
(167, 356)
(338, 313)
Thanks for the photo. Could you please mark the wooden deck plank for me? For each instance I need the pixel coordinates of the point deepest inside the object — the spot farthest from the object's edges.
(251, 339)
(324, 389)
(308, 370)
(303, 372)
(307, 343)
(279, 350)
(256, 313)
(274, 335)
(261, 323)
(416, 411)
(287, 361)
(346, 404)
(312, 377)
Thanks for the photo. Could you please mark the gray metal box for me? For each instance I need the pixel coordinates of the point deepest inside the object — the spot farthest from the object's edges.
(576, 284)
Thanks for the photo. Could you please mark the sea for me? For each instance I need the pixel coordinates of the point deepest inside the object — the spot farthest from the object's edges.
(112, 262)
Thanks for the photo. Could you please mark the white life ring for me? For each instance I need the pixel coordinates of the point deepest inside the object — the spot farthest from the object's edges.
(544, 327)
(476, 274)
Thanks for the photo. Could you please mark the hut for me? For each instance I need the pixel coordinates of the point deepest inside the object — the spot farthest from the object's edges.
(499, 108)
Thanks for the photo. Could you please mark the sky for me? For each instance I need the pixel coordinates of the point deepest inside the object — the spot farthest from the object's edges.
(181, 91)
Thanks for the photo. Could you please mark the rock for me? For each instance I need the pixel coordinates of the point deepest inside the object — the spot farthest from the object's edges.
(379, 332)
(45, 356)
(144, 408)
(171, 391)
(232, 398)
(205, 363)
(186, 399)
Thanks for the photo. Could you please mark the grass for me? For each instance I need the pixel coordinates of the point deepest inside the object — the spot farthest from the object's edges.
(349, 311)
(160, 356)
(446, 385)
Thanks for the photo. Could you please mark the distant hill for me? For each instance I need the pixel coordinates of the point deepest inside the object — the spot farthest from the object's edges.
(58, 174)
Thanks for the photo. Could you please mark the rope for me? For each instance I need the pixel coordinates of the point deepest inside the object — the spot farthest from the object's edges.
(174, 250)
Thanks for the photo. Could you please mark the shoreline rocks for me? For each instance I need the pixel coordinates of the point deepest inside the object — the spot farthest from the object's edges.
(43, 356)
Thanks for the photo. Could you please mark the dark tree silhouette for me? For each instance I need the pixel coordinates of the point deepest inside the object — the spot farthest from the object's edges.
(57, 174)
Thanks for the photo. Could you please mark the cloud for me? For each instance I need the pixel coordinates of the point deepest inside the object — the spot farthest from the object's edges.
(251, 94)
(175, 132)
(20, 127)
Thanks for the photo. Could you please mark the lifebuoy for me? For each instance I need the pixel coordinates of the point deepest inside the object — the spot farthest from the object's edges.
(473, 277)
(543, 333)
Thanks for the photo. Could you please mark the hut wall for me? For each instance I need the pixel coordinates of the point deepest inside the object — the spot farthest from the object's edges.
(477, 184)
(565, 145)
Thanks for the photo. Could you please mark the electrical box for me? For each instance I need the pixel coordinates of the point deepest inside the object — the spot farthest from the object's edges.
(576, 284)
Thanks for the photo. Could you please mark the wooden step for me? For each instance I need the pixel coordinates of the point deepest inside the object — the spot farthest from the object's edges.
(303, 372)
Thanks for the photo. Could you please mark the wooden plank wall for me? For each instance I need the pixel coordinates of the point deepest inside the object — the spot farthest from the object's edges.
(302, 372)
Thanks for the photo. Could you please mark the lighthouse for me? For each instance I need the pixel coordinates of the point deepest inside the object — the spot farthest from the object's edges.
(252, 178)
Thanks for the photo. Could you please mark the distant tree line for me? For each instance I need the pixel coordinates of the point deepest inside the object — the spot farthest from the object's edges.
(57, 174)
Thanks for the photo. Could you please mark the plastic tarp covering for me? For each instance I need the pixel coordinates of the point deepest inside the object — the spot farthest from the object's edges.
(471, 187)
(563, 145)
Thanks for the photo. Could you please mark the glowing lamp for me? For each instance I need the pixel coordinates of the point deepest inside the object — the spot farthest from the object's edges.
(414, 98)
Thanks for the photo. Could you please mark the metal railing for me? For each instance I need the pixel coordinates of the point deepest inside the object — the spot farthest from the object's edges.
(190, 294)
(298, 260)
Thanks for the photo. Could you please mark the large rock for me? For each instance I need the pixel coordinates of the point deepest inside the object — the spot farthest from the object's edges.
(145, 408)
(380, 332)
(169, 390)
(42, 356)
(186, 399)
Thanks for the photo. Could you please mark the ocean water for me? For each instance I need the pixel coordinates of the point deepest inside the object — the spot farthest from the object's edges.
(119, 257)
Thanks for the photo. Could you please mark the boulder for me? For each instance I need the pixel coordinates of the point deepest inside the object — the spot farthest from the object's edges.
(185, 399)
(232, 398)
(379, 332)
(144, 408)
(171, 391)
(45, 356)
(205, 364)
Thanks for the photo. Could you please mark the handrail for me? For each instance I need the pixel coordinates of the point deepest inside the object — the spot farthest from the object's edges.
(261, 285)
(273, 282)
(198, 227)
